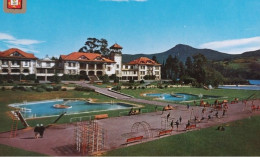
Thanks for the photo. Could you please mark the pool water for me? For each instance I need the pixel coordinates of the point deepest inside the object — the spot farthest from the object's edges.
(180, 96)
(45, 108)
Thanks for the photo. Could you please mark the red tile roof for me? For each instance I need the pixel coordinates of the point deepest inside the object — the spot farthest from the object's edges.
(116, 46)
(144, 61)
(81, 56)
(7, 54)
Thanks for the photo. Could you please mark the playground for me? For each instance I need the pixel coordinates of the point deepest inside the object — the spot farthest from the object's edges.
(104, 133)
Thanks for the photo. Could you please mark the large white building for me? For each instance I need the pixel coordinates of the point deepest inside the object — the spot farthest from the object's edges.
(93, 65)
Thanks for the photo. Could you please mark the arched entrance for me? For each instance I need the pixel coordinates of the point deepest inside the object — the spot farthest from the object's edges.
(145, 129)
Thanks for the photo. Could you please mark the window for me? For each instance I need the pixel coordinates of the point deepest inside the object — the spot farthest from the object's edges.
(142, 67)
(5, 63)
(108, 68)
(157, 68)
(132, 67)
(48, 64)
(26, 63)
(117, 66)
(157, 73)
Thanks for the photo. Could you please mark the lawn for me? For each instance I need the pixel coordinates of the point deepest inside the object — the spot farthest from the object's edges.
(12, 151)
(240, 138)
(224, 93)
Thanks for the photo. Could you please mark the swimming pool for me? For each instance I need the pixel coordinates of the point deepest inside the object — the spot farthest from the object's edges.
(180, 96)
(45, 108)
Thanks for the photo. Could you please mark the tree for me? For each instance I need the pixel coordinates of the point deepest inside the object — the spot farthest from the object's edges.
(168, 67)
(103, 47)
(175, 68)
(154, 59)
(199, 72)
(182, 69)
(105, 79)
(94, 45)
(56, 78)
(188, 65)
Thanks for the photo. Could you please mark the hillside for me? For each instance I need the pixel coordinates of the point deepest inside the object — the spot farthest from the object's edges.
(184, 51)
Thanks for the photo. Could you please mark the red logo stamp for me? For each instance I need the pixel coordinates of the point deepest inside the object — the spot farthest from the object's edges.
(14, 4)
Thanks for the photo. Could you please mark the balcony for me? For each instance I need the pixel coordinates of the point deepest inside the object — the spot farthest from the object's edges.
(5, 65)
(15, 65)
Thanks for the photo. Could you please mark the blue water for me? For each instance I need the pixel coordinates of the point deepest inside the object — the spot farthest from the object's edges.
(184, 97)
(254, 82)
(249, 87)
(45, 108)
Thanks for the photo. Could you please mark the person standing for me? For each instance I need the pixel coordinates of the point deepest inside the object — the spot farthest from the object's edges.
(177, 124)
(180, 119)
(36, 131)
(41, 130)
(172, 124)
(168, 116)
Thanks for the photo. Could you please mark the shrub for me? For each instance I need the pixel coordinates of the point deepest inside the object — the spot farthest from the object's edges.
(78, 88)
(113, 77)
(166, 86)
(27, 89)
(3, 88)
(39, 89)
(116, 80)
(10, 81)
(149, 77)
(1, 81)
(56, 88)
(131, 81)
(64, 89)
(36, 81)
(116, 88)
(130, 87)
(142, 81)
(105, 79)
(49, 89)
(143, 87)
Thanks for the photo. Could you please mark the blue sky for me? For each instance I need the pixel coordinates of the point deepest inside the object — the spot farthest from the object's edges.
(57, 27)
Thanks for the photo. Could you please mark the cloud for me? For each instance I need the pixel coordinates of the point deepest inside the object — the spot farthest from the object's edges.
(23, 42)
(234, 46)
(124, 0)
(10, 41)
(4, 36)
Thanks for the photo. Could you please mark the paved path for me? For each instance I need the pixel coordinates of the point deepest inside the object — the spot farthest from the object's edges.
(105, 91)
(58, 140)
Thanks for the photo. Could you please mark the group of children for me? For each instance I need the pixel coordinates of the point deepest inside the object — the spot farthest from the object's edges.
(38, 131)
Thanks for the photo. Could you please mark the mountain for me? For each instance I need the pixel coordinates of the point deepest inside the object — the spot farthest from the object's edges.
(184, 51)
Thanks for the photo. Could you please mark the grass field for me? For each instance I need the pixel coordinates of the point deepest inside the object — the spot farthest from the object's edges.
(240, 138)
(226, 93)
(12, 151)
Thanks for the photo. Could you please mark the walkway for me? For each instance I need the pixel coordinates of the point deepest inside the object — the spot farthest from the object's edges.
(106, 92)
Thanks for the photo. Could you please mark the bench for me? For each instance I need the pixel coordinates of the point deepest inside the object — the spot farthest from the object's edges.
(168, 108)
(191, 127)
(134, 139)
(254, 107)
(165, 132)
(101, 116)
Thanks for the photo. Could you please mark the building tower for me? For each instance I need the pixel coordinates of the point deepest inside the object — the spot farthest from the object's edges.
(116, 55)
